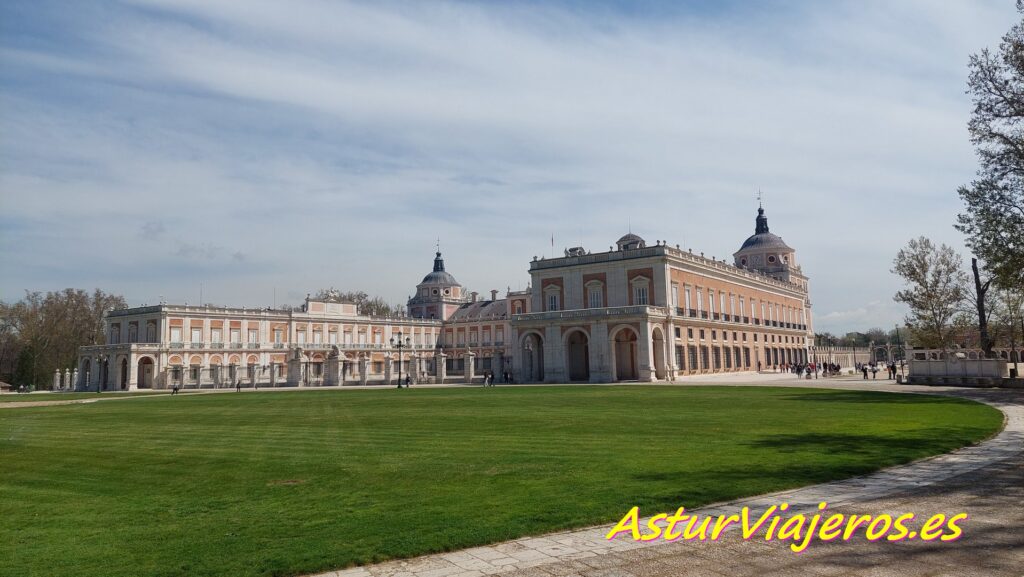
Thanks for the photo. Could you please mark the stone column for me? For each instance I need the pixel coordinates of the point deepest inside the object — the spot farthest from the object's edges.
(388, 363)
(273, 374)
(69, 384)
(554, 356)
(56, 380)
(470, 366)
(440, 366)
(600, 359)
(497, 366)
(645, 353)
(670, 352)
(295, 368)
(332, 368)
(74, 379)
(363, 372)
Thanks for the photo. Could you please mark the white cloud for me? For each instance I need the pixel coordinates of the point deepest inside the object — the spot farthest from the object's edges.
(331, 143)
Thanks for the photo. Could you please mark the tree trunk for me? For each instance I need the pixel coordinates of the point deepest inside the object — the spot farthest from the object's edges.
(980, 290)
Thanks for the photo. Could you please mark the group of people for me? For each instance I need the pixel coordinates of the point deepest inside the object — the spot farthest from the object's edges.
(506, 378)
(801, 369)
(873, 368)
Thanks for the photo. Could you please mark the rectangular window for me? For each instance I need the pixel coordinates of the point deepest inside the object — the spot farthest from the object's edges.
(675, 296)
(686, 297)
(133, 333)
(718, 358)
(728, 358)
(711, 302)
(151, 333)
(217, 335)
(278, 336)
(552, 302)
(692, 354)
(254, 335)
(689, 333)
(594, 296)
(318, 337)
(732, 305)
(721, 301)
(332, 337)
(640, 295)
(300, 337)
(746, 357)
(702, 334)
(700, 301)
(680, 358)
(236, 335)
(197, 335)
(705, 360)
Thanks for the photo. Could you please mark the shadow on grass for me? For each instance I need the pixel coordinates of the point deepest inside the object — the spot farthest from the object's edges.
(883, 397)
(927, 441)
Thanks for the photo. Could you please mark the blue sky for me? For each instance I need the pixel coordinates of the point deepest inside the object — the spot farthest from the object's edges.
(258, 148)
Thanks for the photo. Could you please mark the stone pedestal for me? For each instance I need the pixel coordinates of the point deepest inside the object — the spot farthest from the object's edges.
(333, 368)
(74, 379)
(56, 380)
(363, 369)
(388, 366)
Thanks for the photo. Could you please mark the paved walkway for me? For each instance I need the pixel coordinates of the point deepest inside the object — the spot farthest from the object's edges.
(985, 480)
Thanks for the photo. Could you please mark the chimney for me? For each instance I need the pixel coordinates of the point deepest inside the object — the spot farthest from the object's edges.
(473, 295)
(494, 295)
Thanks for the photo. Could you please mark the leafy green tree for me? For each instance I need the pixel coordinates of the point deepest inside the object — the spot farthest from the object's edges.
(935, 291)
(993, 216)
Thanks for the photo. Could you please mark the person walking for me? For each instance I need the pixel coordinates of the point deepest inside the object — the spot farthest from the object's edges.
(864, 370)
(408, 380)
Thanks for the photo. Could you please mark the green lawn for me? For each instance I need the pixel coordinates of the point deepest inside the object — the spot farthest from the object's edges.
(288, 483)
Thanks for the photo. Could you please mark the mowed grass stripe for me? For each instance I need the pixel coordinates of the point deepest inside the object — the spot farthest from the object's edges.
(289, 483)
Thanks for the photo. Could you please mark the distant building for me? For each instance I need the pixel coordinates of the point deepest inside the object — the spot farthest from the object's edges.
(633, 313)
(652, 313)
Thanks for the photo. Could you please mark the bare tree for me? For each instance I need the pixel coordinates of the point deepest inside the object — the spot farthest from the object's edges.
(935, 290)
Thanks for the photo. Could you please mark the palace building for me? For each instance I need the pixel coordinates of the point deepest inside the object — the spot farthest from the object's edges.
(633, 313)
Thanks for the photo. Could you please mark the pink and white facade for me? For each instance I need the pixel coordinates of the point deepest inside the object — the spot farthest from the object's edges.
(633, 313)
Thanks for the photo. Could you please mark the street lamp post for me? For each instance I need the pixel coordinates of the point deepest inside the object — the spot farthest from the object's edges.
(903, 353)
(400, 345)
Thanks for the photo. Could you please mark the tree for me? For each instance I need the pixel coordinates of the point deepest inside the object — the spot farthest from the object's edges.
(993, 217)
(42, 332)
(936, 290)
(980, 303)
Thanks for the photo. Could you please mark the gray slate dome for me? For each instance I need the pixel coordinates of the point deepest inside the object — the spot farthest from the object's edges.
(439, 275)
(762, 239)
(630, 241)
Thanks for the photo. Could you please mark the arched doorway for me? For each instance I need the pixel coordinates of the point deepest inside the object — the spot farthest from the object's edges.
(578, 356)
(146, 370)
(123, 380)
(658, 342)
(533, 358)
(625, 355)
